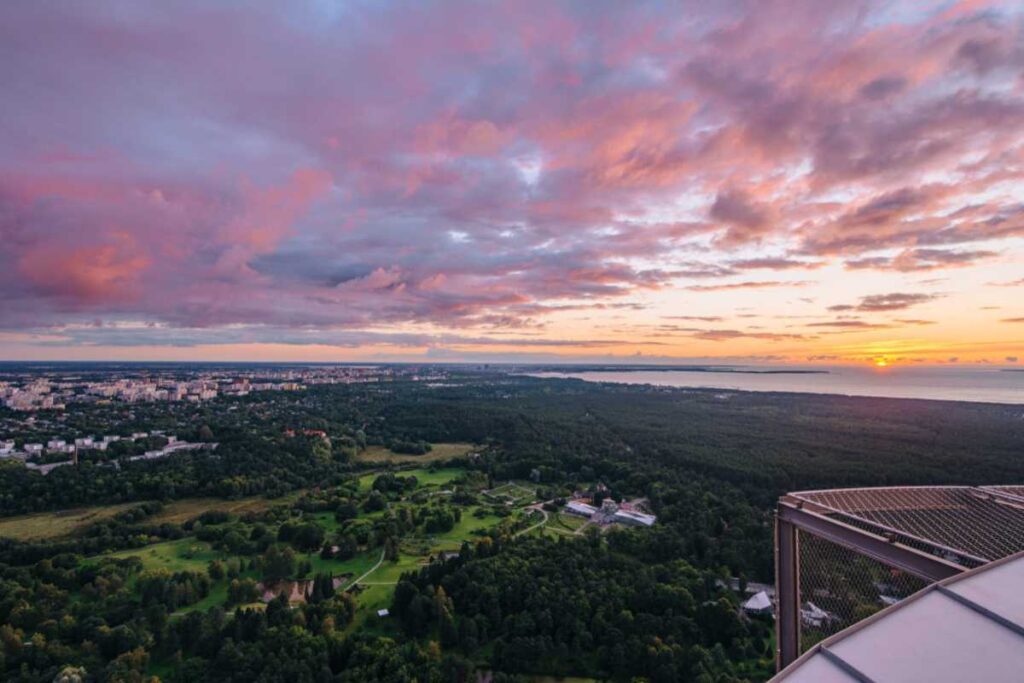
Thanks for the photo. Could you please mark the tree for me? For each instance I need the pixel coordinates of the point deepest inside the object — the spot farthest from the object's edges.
(278, 563)
(374, 502)
(71, 674)
(345, 511)
(242, 591)
(216, 570)
(346, 547)
(391, 550)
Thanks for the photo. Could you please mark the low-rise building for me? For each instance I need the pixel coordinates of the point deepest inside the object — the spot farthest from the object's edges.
(759, 603)
(634, 518)
(815, 617)
(575, 507)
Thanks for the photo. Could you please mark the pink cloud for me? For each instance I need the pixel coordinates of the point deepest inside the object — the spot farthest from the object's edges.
(753, 284)
(84, 275)
(485, 163)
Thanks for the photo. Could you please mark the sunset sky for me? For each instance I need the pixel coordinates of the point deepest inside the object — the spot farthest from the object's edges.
(791, 181)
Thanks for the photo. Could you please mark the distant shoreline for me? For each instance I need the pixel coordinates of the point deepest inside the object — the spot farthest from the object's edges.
(724, 369)
(975, 385)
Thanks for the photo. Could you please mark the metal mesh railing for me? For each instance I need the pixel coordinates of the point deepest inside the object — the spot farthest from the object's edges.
(1011, 492)
(839, 587)
(967, 525)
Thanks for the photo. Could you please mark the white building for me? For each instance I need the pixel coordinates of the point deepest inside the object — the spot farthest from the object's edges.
(634, 518)
(759, 603)
(814, 616)
(581, 509)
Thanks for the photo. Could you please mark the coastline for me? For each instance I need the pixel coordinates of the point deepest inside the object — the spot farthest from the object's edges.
(949, 385)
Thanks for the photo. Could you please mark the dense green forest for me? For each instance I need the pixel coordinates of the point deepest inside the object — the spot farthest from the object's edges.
(510, 598)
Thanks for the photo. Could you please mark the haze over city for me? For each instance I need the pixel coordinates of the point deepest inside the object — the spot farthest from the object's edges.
(799, 182)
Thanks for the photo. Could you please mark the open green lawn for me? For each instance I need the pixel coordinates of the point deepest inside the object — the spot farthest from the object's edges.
(464, 528)
(389, 572)
(355, 566)
(567, 521)
(548, 531)
(180, 511)
(181, 555)
(426, 477)
(326, 521)
(439, 451)
(369, 600)
(187, 554)
(45, 525)
(54, 524)
(516, 494)
(415, 552)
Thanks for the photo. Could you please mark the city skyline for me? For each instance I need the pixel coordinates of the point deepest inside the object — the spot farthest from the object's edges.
(796, 182)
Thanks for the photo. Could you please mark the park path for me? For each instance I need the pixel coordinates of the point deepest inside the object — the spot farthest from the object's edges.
(369, 571)
(579, 531)
(540, 523)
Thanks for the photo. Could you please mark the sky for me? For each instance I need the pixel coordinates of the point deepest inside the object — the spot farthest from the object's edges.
(745, 182)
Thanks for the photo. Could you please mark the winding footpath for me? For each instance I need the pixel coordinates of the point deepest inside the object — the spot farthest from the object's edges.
(368, 571)
(531, 528)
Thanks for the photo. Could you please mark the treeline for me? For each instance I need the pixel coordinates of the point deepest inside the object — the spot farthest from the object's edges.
(574, 607)
(632, 603)
(245, 466)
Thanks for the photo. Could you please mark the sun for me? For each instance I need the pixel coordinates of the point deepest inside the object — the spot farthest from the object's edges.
(881, 363)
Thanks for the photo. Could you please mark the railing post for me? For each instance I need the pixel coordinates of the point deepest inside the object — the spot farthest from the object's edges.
(787, 593)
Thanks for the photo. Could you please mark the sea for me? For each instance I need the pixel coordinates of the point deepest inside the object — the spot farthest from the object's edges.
(979, 384)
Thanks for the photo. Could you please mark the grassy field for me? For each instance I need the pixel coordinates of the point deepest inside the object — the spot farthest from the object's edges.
(464, 528)
(45, 525)
(567, 521)
(356, 566)
(416, 552)
(389, 572)
(426, 477)
(54, 524)
(439, 451)
(512, 494)
(369, 600)
(180, 555)
(183, 510)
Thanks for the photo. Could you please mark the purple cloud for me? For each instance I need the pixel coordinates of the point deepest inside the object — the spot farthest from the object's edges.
(486, 166)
